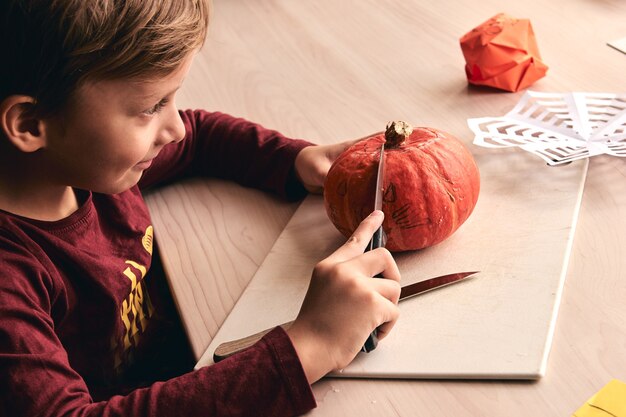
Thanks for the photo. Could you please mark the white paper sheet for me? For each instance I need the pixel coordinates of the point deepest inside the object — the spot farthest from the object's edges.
(559, 128)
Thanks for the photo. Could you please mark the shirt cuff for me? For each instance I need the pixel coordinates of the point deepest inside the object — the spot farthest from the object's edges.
(294, 189)
(288, 363)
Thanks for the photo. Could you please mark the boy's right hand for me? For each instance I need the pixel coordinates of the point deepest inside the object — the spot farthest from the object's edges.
(344, 304)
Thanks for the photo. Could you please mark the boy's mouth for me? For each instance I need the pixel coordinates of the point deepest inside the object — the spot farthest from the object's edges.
(145, 164)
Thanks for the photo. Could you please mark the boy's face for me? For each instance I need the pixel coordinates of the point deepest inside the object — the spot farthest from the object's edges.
(111, 130)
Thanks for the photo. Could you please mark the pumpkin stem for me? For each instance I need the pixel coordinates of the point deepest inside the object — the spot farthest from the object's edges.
(396, 133)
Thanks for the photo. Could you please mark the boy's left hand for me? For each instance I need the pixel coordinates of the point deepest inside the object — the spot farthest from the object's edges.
(313, 162)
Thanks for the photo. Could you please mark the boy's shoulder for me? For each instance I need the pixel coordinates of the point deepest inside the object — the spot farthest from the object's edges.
(23, 265)
(99, 219)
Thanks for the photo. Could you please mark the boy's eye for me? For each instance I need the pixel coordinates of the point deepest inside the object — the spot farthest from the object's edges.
(157, 107)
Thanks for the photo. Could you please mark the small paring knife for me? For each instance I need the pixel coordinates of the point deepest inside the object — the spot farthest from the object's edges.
(227, 349)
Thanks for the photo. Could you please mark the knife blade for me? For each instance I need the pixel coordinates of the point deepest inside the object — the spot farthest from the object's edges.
(379, 238)
(227, 349)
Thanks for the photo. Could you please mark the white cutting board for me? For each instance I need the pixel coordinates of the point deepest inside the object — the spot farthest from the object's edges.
(498, 324)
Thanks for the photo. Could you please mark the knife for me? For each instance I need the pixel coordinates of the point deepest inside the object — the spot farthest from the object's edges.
(379, 238)
(227, 349)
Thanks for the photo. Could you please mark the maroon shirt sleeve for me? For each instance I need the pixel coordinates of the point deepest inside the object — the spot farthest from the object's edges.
(223, 146)
(265, 380)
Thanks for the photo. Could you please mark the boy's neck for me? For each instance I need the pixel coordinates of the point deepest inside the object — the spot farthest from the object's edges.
(27, 193)
(50, 205)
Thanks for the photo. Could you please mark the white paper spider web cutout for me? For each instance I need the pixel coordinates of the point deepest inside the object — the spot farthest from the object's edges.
(559, 128)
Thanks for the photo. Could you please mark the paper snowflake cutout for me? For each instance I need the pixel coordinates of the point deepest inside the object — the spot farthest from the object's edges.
(559, 128)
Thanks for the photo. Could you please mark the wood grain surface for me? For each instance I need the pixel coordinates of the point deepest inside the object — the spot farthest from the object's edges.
(333, 70)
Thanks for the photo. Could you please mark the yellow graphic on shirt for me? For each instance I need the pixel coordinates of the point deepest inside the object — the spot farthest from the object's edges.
(136, 308)
(147, 239)
(135, 311)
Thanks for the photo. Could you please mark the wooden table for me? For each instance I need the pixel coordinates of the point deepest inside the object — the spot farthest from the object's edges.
(333, 70)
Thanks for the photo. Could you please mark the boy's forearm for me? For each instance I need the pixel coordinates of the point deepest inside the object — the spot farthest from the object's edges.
(223, 146)
(267, 379)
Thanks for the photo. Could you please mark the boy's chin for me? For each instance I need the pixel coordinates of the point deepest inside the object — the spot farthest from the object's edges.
(117, 188)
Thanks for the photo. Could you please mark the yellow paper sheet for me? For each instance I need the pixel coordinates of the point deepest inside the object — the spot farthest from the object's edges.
(610, 401)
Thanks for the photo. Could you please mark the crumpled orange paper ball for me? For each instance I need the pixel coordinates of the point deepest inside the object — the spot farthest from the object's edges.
(502, 53)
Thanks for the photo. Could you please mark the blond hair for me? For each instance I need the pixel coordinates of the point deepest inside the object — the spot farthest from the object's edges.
(50, 47)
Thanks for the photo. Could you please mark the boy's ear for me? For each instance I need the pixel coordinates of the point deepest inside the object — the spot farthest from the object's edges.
(19, 123)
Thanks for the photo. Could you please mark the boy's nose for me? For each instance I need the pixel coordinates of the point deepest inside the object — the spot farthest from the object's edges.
(174, 129)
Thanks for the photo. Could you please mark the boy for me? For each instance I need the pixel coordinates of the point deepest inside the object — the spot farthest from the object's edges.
(87, 119)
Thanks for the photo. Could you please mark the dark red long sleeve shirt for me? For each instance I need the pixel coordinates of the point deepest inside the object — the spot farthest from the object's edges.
(78, 309)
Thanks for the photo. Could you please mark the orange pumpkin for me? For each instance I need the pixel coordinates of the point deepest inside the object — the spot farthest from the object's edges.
(431, 185)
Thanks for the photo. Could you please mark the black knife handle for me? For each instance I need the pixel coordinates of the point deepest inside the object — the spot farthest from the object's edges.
(371, 342)
(379, 239)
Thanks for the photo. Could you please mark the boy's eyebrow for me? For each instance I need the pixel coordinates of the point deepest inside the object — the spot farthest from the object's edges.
(153, 96)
